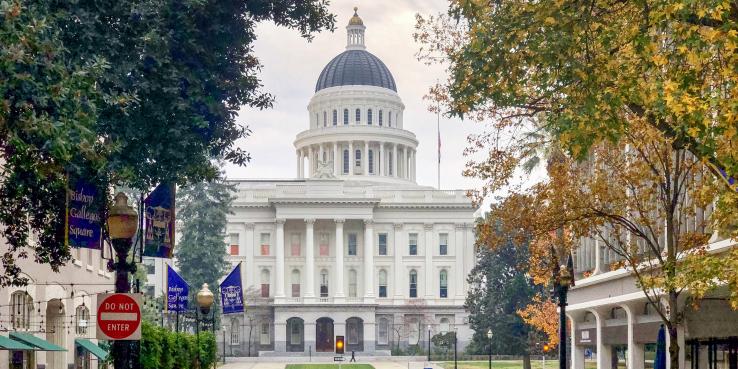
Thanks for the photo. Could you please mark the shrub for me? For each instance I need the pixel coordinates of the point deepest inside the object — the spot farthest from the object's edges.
(163, 349)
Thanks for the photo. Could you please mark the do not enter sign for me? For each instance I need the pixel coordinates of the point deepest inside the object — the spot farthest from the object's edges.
(119, 316)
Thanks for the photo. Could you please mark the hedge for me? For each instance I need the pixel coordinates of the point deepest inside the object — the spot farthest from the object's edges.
(164, 349)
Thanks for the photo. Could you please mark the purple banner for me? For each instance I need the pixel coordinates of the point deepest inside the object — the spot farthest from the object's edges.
(83, 220)
(159, 219)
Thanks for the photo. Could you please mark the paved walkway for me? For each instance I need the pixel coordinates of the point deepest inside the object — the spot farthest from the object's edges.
(377, 364)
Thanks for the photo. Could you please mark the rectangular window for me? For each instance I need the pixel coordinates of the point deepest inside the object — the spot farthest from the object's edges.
(352, 244)
(383, 338)
(323, 285)
(295, 290)
(358, 158)
(265, 240)
(345, 116)
(233, 249)
(413, 243)
(380, 117)
(264, 336)
(382, 244)
(444, 284)
(345, 161)
(382, 283)
(370, 159)
(369, 117)
(382, 291)
(335, 117)
(389, 117)
(265, 290)
(443, 244)
(295, 244)
(323, 245)
(413, 284)
(149, 265)
(358, 116)
(389, 164)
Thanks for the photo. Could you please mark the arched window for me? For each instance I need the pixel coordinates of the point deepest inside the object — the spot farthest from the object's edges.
(358, 115)
(352, 283)
(335, 117)
(380, 117)
(235, 332)
(345, 161)
(413, 283)
(369, 117)
(265, 280)
(358, 158)
(382, 283)
(383, 331)
(345, 116)
(323, 283)
(21, 305)
(370, 161)
(325, 119)
(445, 326)
(443, 277)
(82, 319)
(295, 283)
(389, 117)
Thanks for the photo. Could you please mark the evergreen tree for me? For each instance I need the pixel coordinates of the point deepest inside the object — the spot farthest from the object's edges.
(201, 210)
(498, 288)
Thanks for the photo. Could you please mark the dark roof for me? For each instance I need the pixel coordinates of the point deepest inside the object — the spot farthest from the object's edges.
(355, 67)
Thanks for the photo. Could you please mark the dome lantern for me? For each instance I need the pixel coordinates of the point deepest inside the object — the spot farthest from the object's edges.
(355, 33)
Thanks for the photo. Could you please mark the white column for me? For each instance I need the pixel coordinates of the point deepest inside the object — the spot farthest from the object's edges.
(339, 260)
(366, 158)
(598, 257)
(414, 164)
(246, 239)
(577, 352)
(604, 352)
(398, 241)
(394, 160)
(381, 170)
(369, 259)
(336, 160)
(459, 272)
(299, 170)
(311, 163)
(309, 259)
(280, 259)
(428, 247)
(635, 350)
(352, 158)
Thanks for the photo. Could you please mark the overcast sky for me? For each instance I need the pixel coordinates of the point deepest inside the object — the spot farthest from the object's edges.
(291, 66)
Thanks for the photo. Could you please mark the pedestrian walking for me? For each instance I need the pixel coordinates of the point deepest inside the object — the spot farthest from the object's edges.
(353, 358)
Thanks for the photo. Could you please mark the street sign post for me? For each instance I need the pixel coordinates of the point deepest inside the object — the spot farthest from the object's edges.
(119, 316)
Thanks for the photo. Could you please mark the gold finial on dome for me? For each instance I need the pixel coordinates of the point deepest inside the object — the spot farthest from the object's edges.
(356, 20)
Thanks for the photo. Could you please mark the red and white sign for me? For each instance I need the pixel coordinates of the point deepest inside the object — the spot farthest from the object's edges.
(119, 316)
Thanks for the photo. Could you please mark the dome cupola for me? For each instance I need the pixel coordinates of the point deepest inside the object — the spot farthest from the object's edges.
(355, 66)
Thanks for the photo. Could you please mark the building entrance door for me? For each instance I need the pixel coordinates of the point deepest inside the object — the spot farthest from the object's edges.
(324, 335)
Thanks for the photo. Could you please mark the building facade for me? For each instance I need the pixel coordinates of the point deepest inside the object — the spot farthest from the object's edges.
(612, 321)
(58, 308)
(352, 246)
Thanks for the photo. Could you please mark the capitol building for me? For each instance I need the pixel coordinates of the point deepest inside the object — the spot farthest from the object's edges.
(352, 246)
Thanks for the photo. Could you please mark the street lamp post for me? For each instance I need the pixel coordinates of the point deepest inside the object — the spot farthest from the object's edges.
(456, 332)
(489, 337)
(429, 343)
(122, 226)
(204, 300)
(224, 342)
(563, 280)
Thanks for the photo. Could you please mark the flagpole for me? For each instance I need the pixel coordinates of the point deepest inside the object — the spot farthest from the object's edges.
(438, 129)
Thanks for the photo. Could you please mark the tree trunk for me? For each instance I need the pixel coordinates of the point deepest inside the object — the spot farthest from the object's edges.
(526, 360)
(673, 347)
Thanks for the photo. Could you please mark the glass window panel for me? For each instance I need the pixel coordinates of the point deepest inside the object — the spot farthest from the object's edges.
(382, 244)
(352, 244)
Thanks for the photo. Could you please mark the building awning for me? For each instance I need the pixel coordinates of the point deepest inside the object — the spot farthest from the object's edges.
(8, 344)
(38, 343)
(92, 348)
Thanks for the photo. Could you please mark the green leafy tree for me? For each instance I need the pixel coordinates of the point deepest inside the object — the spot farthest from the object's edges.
(499, 286)
(202, 210)
(122, 92)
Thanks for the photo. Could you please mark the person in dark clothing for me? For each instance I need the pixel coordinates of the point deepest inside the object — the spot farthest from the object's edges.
(353, 358)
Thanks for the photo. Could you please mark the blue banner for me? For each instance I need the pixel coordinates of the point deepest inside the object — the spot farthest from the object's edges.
(83, 220)
(231, 292)
(159, 222)
(177, 291)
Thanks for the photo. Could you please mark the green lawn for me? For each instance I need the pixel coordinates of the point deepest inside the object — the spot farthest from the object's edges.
(329, 366)
(510, 364)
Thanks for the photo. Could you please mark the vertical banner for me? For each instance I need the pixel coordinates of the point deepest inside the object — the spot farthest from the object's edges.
(159, 222)
(231, 292)
(177, 291)
(83, 219)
